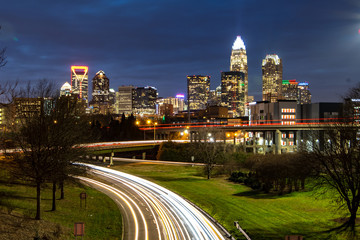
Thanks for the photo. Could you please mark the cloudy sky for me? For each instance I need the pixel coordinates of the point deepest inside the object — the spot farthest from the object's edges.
(158, 42)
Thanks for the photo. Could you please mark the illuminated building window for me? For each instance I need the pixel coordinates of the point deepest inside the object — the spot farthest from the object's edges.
(283, 143)
(283, 135)
(291, 143)
(288, 110)
(287, 122)
(287, 116)
(291, 135)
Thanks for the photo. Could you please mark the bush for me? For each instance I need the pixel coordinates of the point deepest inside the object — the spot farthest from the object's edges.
(237, 177)
(253, 182)
(285, 172)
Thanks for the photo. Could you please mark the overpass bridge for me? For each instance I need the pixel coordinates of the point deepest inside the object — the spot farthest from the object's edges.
(263, 137)
(103, 151)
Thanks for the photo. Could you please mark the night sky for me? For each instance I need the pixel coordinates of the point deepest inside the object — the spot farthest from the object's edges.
(159, 43)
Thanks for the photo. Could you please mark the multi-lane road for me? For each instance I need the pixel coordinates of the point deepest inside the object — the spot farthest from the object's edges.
(151, 211)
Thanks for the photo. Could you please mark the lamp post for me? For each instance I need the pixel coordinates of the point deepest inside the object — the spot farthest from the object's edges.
(138, 124)
(155, 123)
(147, 122)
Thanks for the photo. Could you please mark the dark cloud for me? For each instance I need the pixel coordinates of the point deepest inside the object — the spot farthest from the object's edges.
(158, 43)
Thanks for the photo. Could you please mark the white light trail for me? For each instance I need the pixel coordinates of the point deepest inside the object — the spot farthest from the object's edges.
(179, 219)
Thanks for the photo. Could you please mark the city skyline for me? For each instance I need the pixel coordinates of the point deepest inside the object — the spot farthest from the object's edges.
(155, 44)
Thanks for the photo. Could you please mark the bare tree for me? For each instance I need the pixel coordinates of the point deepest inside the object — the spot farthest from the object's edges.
(68, 129)
(2, 56)
(208, 150)
(47, 140)
(336, 155)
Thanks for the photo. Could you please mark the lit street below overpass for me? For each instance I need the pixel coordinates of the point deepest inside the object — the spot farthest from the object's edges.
(151, 211)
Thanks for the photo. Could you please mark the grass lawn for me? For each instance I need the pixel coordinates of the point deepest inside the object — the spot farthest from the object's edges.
(101, 216)
(263, 216)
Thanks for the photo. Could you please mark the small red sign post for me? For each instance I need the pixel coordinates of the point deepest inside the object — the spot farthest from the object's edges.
(79, 229)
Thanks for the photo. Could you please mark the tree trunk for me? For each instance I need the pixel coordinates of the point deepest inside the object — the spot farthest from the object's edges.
(352, 220)
(38, 200)
(296, 184)
(290, 185)
(303, 183)
(53, 196)
(62, 194)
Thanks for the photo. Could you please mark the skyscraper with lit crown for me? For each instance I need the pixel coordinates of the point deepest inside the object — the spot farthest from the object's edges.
(272, 73)
(234, 84)
(79, 81)
(238, 63)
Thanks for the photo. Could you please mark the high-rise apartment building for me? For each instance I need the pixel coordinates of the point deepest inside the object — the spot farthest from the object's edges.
(238, 63)
(272, 72)
(299, 91)
(100, 91)
(304, 95)
(79, 81)
(198, 91)
(177, 103)
(289, 89)
(233, 92)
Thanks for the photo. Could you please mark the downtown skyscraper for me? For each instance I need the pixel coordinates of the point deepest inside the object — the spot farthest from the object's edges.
(198, 91)
(100, 92)
(79, 82)
(233, 93)
(234, 84)
(272, 74)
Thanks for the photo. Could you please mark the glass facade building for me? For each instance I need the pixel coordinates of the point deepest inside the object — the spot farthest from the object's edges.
(79, 81)
(272, 75)
(238, 63)
(198, 91)
(233, 92)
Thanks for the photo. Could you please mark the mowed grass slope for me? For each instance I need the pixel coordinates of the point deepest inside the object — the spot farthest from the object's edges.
(101, 216)
(262, 216)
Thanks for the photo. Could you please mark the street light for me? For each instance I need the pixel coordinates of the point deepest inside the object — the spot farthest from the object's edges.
(155, 123)
(138, 124)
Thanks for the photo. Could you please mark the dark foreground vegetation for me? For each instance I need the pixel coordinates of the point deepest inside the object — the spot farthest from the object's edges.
(18, 208)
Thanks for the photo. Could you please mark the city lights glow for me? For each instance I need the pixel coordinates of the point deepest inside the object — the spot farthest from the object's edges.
(238, 44)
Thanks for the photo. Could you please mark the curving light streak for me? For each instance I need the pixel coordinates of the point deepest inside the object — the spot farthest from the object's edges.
(179, 219)
(173, 228)
(125, 199)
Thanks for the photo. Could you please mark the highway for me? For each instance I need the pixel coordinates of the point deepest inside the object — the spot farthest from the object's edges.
(151, 211)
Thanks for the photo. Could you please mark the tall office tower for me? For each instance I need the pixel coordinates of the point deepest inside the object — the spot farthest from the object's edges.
(304, 95)
(289, 89)
(238, 62)
(100, 92)
(198, 91)
(144, 100)
(272, 72)
(233, 92)
(79, 81)
(123, 102)
(65, 89)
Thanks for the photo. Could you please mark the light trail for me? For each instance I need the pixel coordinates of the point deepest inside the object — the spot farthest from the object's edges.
(125, 199)
(174, 217)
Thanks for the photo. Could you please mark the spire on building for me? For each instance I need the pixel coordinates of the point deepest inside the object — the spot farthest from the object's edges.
(238, 44)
